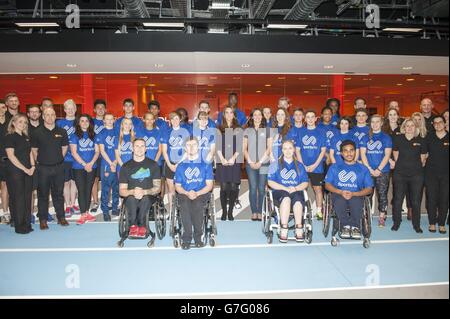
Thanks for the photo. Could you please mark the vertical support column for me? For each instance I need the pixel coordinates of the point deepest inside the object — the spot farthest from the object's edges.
(338, 90)
(87, 83)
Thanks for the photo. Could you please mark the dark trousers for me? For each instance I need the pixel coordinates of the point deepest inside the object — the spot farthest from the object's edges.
(84, 182)
(402, 185)
(51, 179)
(138, 209)
(20, 187)
(437, 197)
(382, 187)
(229, 192)
(192, 212)
(342, 207)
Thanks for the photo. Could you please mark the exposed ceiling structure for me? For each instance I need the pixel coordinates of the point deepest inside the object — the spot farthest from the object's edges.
(397, 18)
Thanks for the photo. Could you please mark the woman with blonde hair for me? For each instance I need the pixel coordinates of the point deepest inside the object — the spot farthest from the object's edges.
(410, 157)
(123, 143)
(20, 169)
(419, 120)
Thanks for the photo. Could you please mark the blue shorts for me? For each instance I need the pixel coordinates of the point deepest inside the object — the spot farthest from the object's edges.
(68, 176)
(295, 197)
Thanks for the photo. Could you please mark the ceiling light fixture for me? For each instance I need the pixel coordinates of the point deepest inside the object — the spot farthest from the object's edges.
(402, 29)
(37, 24)
(179, 25)
(286, 26)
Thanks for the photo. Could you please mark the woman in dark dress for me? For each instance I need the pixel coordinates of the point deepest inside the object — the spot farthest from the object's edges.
(20, 169)
(228, 170)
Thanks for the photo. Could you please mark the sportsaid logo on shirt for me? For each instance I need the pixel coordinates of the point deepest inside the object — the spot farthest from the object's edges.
(98, 129)
(346, 177)
(141, 174)
(150, 141)
(86, 143)
(192, 175)
(309, 142)
(330, 135)
(288, 176)
(110, 141)
(126, 146)
(360, 135)
(374, 146)
(176, 141)
(338, 146)
(203, 143)
(69, 129)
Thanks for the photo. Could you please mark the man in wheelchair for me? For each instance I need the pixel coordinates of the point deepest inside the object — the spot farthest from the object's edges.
(139, 183)
(288, 180)
(194, 181)
(349, 182)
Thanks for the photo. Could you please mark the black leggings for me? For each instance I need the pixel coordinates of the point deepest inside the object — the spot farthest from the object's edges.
(402, 185)
(20, 188)
(437, 197)
(84, 182)
(229, 192)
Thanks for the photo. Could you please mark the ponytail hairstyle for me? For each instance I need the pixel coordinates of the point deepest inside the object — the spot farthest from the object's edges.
(121, 134)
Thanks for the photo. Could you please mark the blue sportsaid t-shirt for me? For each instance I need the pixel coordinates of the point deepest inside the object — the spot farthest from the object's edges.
(85, 149)
(375, 147)
(107, 138)
(310, 142)
(125, 149)
(152, 140)
(347, 177)
(137, 124)
(98, 126)
(69, 127)
(289, 174)
(278, 141)
(192, 175)
(174, 139)
(360, 132)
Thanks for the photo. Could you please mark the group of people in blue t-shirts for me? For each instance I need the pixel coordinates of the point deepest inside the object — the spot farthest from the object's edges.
(348, 156)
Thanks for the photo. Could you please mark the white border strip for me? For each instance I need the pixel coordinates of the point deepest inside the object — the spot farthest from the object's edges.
(226, 293)
(250, 246)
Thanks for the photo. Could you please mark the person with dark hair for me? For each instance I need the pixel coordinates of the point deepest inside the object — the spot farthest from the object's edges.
(46, 103)
(204, 106)
(361, 129)
(128, 110)
(140, 182)
(335, 105)
(241, 118)
(349, 182)
(312, 144)
(297, 124)
(85, 153)
(326, 123)
(154, 107)
(12, 103)
(437, 175)
(184, 118)
(20, 169)
(194, 182)
(288, 181)
(267, 112)
(228, 169)
(257, 144)
(376, 151)
(283, 131)
(5, 217)
(359, 104)
(344, 133)
(445, 117)
(99, 125)
(206, 136)
(410, 156)
(110, 180)
(49, 145)
(70, 189)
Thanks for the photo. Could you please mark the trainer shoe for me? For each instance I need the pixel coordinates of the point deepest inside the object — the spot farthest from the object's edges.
(33, 219)
(82, 220)
(199, 245)
(237, 204)
(90, 218)
(68, 212)
(106, 218)
(6, 219)
(75, 210)
(186, 246)
(50, 218)
(94, 207)
(346, 232)
(381, 222)
(134, 231)
(356, 233)
(142, 232)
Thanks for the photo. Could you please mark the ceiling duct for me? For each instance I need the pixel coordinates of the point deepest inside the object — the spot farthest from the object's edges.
(430, 8)
(136, 8)
(303, 9)
(220, 10)
(262, 8)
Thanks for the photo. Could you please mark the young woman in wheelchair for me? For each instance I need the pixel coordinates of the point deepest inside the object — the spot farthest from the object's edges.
(194, 180)
(349, 182)
(288, 179)
(139, 183)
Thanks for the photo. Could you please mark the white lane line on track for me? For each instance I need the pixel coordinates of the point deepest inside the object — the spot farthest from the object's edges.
(250, 246)
(226, 293)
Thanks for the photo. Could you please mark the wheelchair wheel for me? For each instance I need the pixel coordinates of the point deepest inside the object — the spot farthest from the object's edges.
(212, 216)
(367, 218)
(212, 240)
(270, 237)
(173, 212)
(326, 215)
(266, 214)
(160, 219)
(123, 223)
(334, 242)
(366, 243)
